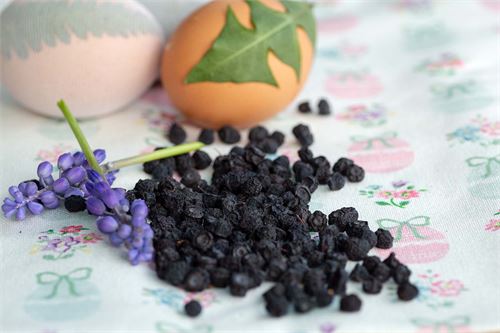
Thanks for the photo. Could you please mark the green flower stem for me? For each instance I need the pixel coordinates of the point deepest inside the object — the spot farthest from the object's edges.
(394, 203)
(159, 154)
(80, 137)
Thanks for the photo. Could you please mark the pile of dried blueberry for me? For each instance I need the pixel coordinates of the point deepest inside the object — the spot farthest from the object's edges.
(252, 224)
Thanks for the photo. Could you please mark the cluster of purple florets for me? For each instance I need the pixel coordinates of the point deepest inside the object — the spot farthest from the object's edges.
(80, 187)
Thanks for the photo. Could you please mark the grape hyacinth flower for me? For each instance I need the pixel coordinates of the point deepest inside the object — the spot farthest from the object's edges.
(125, 223)
(47, 193)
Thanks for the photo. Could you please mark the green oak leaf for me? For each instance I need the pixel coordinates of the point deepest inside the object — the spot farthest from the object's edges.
(241, 55)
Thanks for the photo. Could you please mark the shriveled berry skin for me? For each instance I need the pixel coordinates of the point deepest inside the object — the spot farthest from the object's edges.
(372, 286)
(342, 217)
(350, 303)
(277, 306)
(75, 203)
(229, 134)
(177, 134)
(304, 107)
(206, 136)
(279, 137)
(257, 133)
(407, 291)
(401, 274)
(384, 239)
(193, 308)
(343, 165)
(359, 273)
(355, 174)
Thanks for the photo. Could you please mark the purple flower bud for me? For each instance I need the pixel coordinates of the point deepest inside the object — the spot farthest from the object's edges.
(120, 193)
(139, 209)
(61, 185)
(78, 158)
(73, 191)
(65, 161)
(95, 206)
(111, 176)
(148, 232)
(137, 242)
(109, 198)
(133, 256)
(30, 188)
(124, 205)
(146, 256)
(44, 169)
(107, 224)
(16, 194)
(22, 188)
(47, 180)
(49, 199)
(100, 155)
(124, 231)
(35, 207)
(9, 207)
(138, 221)
(115, 240)
(75, 175)
(100, 188)
(21, 213)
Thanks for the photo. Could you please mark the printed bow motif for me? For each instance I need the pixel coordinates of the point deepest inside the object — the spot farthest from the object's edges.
(452, 90)
(437, 326)
(54, 279)
(411, 224)
(477, 161)
(384, 139)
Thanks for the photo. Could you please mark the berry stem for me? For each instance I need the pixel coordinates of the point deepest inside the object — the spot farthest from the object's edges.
(80, 137)
(159, 154)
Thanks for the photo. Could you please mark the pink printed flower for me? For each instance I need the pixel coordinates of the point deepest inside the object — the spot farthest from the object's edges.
(406, 194)
(493, 225)
(491, 129)
(385, 194)
(90, 238)
(206, 297)
(448, 288)
(72, 229)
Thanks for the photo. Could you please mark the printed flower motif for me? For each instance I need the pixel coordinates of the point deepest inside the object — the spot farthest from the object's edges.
(366, 116)
(401, 198)
(448, 288)
(445, 65)
(206, 297)
(406, 194)
(72, 229)
(481, 130)
(91, 238)
(53, 154)
(493, 225)
(62, 245)
(158, 121)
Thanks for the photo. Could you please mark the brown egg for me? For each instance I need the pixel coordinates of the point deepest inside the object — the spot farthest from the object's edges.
(214, 104)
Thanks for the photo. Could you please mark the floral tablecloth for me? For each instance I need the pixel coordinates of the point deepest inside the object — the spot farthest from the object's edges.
(415, 88)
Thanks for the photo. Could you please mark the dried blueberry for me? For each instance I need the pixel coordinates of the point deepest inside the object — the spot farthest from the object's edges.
(229, 134)
(176, 134)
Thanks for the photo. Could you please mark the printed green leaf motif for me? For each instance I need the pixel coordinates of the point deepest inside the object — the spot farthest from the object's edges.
(382, 203)
(241, 55)
(30, 26)
(404, 203)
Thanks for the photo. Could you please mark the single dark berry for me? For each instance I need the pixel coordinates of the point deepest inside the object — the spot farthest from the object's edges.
(357, 249)
(206, 136)
(305, 155)
(391, 261)
(355, 174)
(176, 134)
(369, 236)
(162, 171)
(311, 183)
(303, 135)
(359, 273)
(201, 160)
(279, 137)
(323, 174)
(356, 228)
(75, 203)
(302, 170)
(317, 221)
(401, 274)
(229, 134)
(350, 303)
(190, 178)
(193, 308)
(407, 291)
(324, 107)
(183, 163)
(268, 145)
(197, 280)
(257, 134)
(342, 165)
(336, 181)
(342, 217)
(372, 286)
(382, 272)
(220, 277)
(277, 306)
(384, 239)
(371, 262)
(304, 107)
(203, 241)
(240, 283)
